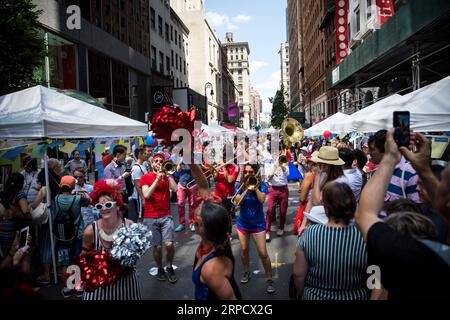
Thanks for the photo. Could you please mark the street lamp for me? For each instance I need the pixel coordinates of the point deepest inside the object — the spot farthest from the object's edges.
(306, 88)
(208, 85)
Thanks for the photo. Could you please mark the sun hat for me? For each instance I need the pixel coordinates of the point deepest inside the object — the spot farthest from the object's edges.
(328, 155)
(317, 215)
(304, 149)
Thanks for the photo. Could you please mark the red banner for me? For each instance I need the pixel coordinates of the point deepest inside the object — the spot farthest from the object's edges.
(385, 10)
(341, 30)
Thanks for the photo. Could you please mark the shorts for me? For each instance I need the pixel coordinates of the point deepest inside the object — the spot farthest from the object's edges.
(248, 232)
(65, 252)
(162, 229)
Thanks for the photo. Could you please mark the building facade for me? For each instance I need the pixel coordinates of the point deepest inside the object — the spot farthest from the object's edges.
(285, 75)
(229, 91)
(295, 55)
(238, 64)
(255, 108)
(204, 52)
(108, 57)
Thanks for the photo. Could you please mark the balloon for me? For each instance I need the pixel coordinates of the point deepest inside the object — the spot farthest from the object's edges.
(166, 155)
(149, 141)
(327, 134)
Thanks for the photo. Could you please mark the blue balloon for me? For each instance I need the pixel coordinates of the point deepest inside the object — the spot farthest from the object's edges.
(149, 141)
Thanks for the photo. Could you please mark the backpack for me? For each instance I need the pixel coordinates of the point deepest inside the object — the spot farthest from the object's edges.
(64, 224)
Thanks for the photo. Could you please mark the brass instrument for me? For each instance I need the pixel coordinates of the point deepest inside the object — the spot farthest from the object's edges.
(209, 172)
(293, 131)
(168, 167)
(250, 183)
(283, 161)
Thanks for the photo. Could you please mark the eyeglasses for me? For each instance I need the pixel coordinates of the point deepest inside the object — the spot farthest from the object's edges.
(249, 172)
(106, 205)
(158, 161)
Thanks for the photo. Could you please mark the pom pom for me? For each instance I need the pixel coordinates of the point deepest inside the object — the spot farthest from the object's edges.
(98, 269)
(131, 243)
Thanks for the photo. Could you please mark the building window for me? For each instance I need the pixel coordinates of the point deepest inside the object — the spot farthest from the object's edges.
(171, 33)
(242, 49)
(152, 19)
(177, 82)
(168, 65)
(369, 7)
(184, 64)
(171, 54)
(176, 61)
(237, 57)
(242, 57)
(153, 57)
(161, 62)
(187, 49)
(167, 32)
(176, 37)
(179, 41)
(160, 26)
(180, 64)
(358, 23)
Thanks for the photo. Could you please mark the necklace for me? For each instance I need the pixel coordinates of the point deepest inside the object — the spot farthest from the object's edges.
(201, 251)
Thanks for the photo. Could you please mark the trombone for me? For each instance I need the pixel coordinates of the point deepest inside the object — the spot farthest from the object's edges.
(209, 173)
(251, 183)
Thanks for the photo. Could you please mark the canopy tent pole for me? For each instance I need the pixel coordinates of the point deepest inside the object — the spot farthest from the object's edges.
(50, 218)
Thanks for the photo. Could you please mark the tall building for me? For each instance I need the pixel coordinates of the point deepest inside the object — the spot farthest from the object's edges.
(255, 108)
(313, 69)
(296, 65)
(384, 59)
(238, 64)
(168, 51)
(229, 90)
(204, 52)
(285, 75)
(108, 58)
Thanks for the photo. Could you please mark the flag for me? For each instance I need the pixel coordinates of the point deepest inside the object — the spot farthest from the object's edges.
(385, 10)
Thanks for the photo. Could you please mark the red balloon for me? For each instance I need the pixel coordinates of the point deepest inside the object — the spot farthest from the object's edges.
(205, 135)
(327, 134)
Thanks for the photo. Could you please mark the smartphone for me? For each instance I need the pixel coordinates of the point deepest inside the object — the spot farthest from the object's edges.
(401, 126)
(24, 237)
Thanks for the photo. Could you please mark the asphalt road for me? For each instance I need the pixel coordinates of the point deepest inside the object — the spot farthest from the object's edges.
(280, 249)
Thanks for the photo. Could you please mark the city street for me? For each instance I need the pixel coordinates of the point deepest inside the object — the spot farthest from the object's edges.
(281, 251)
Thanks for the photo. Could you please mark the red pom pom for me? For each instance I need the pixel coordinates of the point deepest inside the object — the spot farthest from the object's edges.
(98, 269)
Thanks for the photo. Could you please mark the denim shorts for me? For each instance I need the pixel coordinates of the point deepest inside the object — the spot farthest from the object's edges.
(162, 229)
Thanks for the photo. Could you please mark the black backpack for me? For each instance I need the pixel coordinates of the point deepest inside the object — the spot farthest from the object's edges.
(64, 224)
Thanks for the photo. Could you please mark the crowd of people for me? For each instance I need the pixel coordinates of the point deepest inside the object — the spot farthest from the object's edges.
(376, 206)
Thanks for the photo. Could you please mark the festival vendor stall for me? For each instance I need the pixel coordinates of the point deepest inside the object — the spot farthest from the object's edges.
(39, 113)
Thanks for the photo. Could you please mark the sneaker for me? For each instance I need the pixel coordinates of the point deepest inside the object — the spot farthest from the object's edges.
(245, 277)
(161, 276)
(267, 237)
(180, 228)
(280, 232)
(192, 227)
(79, 292)
(270, 287)
(171, 275)
(66, 292)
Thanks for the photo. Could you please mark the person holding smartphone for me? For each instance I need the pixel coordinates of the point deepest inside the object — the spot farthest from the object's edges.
(403, 184)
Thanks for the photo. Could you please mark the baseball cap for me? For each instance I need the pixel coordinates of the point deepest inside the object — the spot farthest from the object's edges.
(159, 155)
(68, 181)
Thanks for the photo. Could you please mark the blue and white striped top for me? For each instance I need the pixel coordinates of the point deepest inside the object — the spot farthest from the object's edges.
(337, 260)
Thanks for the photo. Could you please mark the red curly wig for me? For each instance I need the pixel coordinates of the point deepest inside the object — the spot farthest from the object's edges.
(110, 188)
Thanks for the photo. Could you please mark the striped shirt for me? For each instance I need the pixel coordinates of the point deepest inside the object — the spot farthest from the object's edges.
(337, 263)
(408, 183)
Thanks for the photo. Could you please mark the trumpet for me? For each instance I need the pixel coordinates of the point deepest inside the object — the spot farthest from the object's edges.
(168, 167)
(209, 172)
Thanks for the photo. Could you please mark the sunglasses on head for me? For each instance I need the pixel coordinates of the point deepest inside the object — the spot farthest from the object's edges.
(106, 205)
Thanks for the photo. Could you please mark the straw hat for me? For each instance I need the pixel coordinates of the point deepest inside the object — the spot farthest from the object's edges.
(328, 155)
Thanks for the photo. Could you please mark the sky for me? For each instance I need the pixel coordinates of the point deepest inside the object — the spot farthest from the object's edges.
(261, 23)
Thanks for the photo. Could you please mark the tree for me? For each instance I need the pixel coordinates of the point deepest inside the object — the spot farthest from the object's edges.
(279, 108)
(22, 45)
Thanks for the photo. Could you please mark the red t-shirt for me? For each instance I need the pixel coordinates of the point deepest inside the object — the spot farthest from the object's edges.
(158, 205)
(223, 188)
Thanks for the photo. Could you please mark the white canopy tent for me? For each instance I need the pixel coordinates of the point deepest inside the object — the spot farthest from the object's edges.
(429, 108)
(329, 124)
(40, 113)
(355, 120)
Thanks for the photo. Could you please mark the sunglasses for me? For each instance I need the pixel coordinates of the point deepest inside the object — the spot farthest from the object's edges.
(249, 172)
(106, 205)
(78, 177)
(158, 161)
